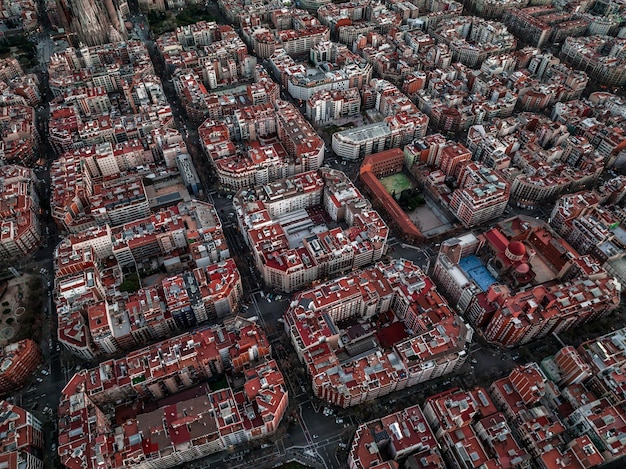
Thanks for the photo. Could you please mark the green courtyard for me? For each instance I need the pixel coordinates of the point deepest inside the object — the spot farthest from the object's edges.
(402, 189)
(396, 183)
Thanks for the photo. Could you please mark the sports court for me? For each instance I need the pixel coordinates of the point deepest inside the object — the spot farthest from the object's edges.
(396, 183)
(474, 269)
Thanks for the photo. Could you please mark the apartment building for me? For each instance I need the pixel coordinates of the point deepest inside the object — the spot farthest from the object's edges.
(598, 56)
(519, 288)
(95, 319)
(18, 362)
(19, 136)
(190, 420)
(283, 224)
(297, 149)
(482, 195)
(472, 431)
(472, 39)
(393, 132)
(358, 364)
(399, 434)
(328, 106)
(21, 438)
(492, 9)
(20, 228)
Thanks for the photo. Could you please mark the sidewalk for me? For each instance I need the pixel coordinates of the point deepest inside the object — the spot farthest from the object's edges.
(298, 456)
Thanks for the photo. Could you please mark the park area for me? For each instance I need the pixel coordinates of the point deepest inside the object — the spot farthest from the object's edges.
(167, 21)
(20, 306)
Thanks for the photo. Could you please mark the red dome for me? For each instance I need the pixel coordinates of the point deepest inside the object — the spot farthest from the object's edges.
(516, 248)
(522, 268)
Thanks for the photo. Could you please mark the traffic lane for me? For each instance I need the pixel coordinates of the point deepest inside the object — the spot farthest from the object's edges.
(235, 240)
(180, 118)
(487, 364)
(242, 256)
(325, 427)
(223, 206)
(328, 452)
(271, 310)
(305, 429)
(324, 434)
(418, 256)
(350, 168)
(43, 398)
(297, 437)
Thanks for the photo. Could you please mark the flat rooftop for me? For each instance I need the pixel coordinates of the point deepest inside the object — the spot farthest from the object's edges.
(366, 132)
(299, 225)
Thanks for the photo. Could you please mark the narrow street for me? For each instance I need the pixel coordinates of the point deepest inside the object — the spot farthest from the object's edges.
(41, 395)
(313, 436)
(188, 131)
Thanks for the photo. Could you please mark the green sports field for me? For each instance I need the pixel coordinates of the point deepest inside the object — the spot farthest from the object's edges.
(396, 183)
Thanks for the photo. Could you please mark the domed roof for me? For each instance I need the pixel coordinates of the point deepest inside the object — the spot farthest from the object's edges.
(522, 268)
(516, 248)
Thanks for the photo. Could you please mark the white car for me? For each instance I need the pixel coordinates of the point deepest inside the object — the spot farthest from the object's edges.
(45, 372)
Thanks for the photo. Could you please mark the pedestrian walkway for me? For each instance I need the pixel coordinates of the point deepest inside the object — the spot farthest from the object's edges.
(305, 459)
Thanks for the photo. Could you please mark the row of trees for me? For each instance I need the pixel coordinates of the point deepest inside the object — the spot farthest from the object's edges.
(167, 21)
(20, 47)
(409, 199)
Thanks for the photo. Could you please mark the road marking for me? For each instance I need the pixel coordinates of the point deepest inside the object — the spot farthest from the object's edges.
(281, 443)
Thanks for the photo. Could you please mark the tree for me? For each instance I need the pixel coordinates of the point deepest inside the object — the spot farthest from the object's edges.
(131, 283)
